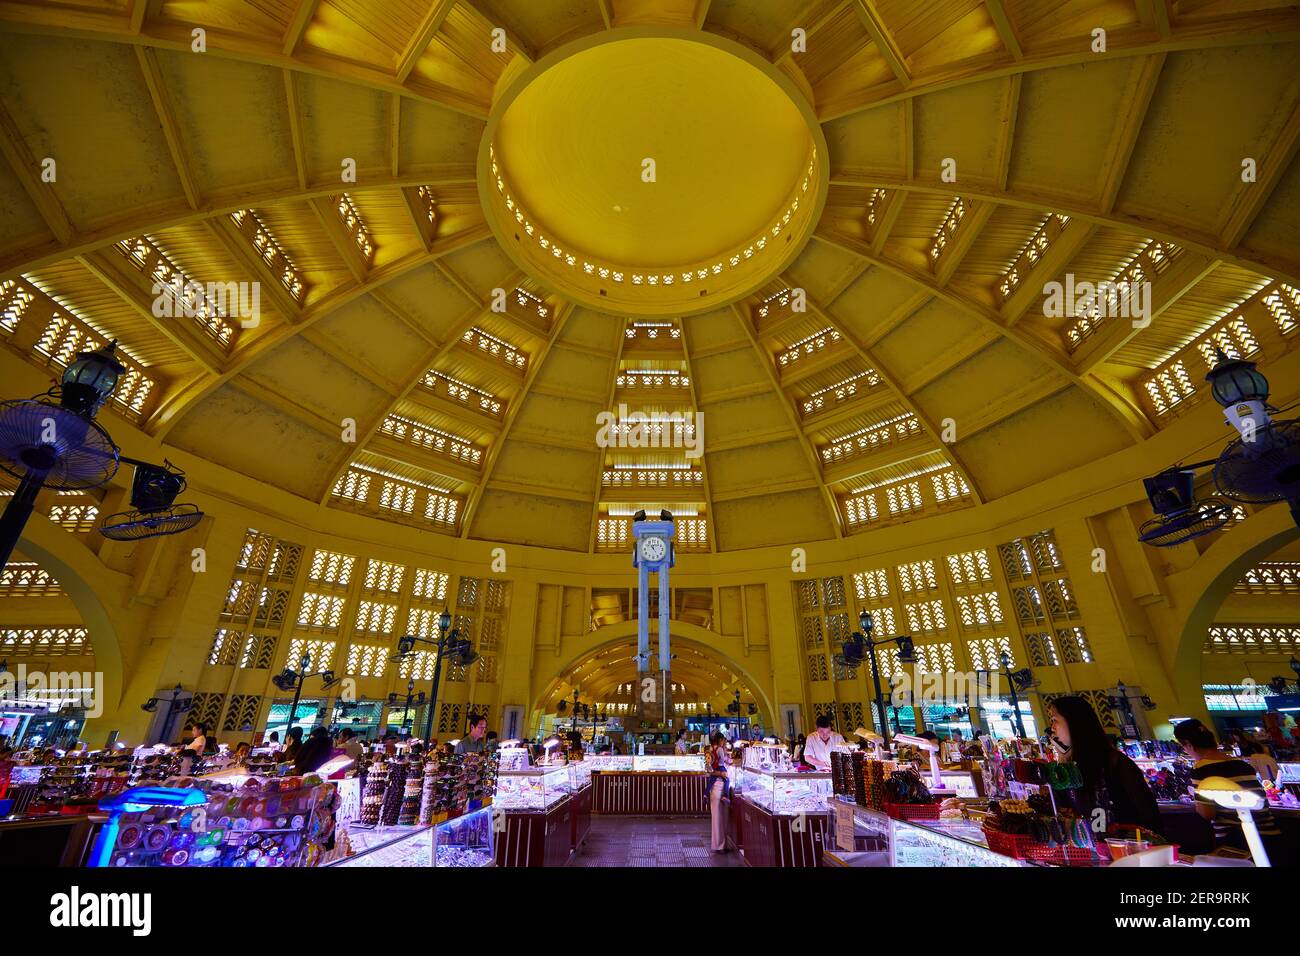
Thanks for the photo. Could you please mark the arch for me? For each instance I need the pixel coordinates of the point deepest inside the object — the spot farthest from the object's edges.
(691, 634)
(80, 574)
(1209, 582)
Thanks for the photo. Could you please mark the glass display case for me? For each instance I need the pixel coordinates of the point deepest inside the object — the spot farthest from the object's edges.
(770, 757)
(609, 762)
(669, 763)
(929, 843)
(534, 788)
(580, 774)
(465, 840)
(785, 793)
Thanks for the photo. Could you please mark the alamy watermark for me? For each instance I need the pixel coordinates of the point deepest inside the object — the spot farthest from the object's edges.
(83, 689)
(1100, 300)
(637, 429)
(200, 300)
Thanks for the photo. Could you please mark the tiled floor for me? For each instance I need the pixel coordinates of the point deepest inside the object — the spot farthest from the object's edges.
(651, 841)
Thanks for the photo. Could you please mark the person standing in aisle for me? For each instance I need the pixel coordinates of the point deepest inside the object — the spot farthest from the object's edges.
(718, 785)
(817, 751)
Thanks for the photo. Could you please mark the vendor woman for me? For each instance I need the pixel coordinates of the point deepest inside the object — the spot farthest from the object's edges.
(1111, 781)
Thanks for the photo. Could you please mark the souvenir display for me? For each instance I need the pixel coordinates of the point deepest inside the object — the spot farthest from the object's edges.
(785, 793)
(263, 822)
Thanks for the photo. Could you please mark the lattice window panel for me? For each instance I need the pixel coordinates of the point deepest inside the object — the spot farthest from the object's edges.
(455, 672)
(1074, 645)
(817, 667)
(979, 610)
(27, 579)
(851, 717)
(872, 587)
(467, 594)
(241, 599)
(1060, 599)
(321, 612)
(367, 660)
(329, 567)
(353, 486)
(935, 659)
(259, 651)
(284, 561)
(833, 592)
(487, 669)
(490, 635)
(320, 652)
(423, 622)
(809, 598)
(449, 719)
(883, 621)
(986, 652)
(1015, 560)
(494, 596)
(812, 631)
(384, 576)
(861, 509)
(949, 486)
(397, 496)
(256, 551)
(1253, 639)
(1273, 577)
(28, 642)
(1100, 701)
(430, 587)
(904, 497)
(823, 708)
(917, 576)
(1046, 555)
(76, 518)
(375, 617)
(888, 663)
(465, 624)
(418, 665)
(273, 605)
(227, 647)
(1029, 605)
(926, 616)
(838, 628)
(970, 568)
(842, 671)
(1042, 649)
(206, 708)
(242, 712)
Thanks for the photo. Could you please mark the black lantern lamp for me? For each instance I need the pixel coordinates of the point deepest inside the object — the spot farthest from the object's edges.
(89, 380)
(1172, 491)
(1242, 391)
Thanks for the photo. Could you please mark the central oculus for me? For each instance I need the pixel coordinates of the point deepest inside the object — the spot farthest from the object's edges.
(659, 174)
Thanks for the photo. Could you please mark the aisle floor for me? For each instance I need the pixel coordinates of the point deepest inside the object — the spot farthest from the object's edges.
(651, 841)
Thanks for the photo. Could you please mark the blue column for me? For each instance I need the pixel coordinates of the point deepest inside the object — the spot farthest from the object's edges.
(665, 607)
(643, 621)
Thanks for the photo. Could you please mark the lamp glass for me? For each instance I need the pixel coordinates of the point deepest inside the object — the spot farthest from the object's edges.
(1233, 381)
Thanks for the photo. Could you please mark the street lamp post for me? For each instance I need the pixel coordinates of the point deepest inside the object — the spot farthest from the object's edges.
(408, 719)
(295, 679)
(449, 642)
(865, 637)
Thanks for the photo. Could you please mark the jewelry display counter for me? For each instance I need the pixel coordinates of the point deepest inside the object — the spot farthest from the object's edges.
(543, 813)
(648, 784)
(780, 818)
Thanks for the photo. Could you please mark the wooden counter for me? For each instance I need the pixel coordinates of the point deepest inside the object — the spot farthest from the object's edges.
(650, 793)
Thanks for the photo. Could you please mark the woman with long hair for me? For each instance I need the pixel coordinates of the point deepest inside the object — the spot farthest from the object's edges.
(718, 785)
(1112, 782)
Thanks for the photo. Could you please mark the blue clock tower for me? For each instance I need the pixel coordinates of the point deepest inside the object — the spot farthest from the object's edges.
(653, 554)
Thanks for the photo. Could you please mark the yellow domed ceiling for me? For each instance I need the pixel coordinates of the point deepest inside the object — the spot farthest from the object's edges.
(890, 354)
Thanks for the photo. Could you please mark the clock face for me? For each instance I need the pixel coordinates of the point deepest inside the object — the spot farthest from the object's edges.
(653, 549)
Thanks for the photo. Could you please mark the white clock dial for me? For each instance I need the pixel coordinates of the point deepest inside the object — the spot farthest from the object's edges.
(653, 549)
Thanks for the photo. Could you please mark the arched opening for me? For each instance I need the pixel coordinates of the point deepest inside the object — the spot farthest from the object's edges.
(706, 678)
(80, 578)
(1219, 642)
